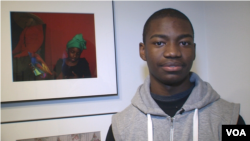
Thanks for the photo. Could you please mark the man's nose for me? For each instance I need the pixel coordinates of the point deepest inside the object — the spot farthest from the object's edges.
(172, 50)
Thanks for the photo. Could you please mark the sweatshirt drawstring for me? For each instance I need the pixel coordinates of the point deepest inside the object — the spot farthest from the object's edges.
(195, 125)
(150, 128)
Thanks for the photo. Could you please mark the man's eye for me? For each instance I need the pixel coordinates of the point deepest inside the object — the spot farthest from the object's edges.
(184, 43)
(159, 43)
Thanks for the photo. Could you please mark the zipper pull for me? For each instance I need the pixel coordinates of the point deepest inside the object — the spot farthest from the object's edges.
(182, 110)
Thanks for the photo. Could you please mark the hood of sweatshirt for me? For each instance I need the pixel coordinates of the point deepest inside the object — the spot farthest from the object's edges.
(202, 95)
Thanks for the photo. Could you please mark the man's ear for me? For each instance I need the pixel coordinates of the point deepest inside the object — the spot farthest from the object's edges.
(194, 51)
(142, 51)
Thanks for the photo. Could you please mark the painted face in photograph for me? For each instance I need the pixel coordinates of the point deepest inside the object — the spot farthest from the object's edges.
(74, 54)
(75, 137)
(169, 49)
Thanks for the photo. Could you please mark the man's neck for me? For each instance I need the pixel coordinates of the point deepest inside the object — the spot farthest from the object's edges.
(159, 88)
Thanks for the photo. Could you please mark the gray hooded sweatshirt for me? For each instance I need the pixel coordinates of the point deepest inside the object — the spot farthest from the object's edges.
(204, 114)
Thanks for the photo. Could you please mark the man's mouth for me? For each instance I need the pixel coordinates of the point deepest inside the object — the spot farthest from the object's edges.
(172, 66)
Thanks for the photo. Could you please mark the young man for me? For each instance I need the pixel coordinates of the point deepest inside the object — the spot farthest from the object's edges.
(173, 103)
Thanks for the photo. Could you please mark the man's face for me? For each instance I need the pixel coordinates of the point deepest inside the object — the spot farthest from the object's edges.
(74, 54)
(169, 50)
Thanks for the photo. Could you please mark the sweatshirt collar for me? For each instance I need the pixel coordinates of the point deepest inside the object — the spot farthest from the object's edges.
(202, 95)
(172, 98)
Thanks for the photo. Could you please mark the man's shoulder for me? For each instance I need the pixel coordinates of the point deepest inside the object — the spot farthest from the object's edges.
(128, 116)
(129, 111)
(224, 105)
(228, 111)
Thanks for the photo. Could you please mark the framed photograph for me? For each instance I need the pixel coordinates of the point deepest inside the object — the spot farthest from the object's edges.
(91, 136)
(52, 46)
(53, 50)
(90, 128)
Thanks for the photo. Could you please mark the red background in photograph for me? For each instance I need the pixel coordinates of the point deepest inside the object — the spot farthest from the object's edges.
(61, 28)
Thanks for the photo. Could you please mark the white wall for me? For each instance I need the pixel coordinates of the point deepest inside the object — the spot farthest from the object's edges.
(228, 48)
(220, 34)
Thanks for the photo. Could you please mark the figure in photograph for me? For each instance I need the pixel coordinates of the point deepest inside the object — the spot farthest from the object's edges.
(31, 40)
(95, 138)
(41, 139)
(73, 66)
(173, 103)
(75, 137)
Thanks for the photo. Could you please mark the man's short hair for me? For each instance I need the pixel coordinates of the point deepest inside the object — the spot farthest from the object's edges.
(166, 12)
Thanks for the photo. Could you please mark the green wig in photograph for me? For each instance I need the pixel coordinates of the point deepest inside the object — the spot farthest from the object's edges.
(78, 42)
